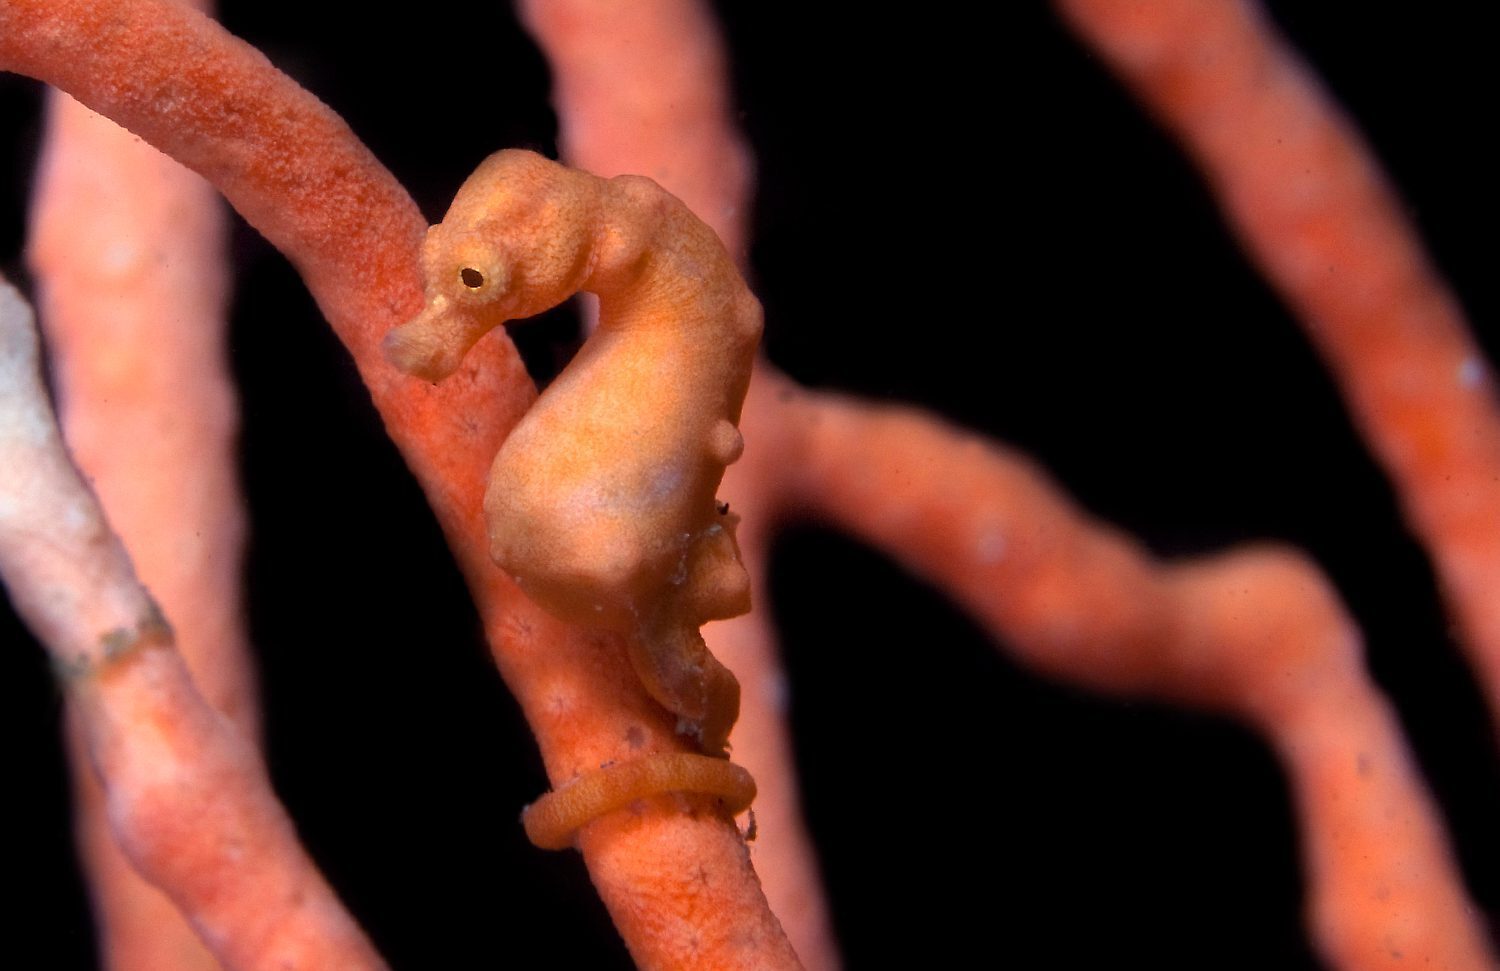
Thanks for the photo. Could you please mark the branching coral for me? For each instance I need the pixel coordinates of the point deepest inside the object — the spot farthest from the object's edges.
(152, 431)
(189, 803)
(1085, 773)
(298, 174)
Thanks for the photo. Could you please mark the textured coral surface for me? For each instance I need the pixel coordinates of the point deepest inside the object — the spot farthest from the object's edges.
(1104, 323)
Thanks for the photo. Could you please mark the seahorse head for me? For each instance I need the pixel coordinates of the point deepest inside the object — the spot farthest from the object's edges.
(515, 242)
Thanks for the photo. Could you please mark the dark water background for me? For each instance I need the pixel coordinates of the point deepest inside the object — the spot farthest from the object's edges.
(1107, 325)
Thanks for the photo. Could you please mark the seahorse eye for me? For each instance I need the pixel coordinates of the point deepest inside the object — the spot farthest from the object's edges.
(471, 277)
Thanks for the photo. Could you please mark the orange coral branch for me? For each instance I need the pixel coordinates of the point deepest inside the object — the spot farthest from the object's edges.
(1257, 633)
(187, 798)
(1329, 755)
(642, 89)
(194, 812)
(296, 173)
(645, 89)
(1313, 210)
(154, 429)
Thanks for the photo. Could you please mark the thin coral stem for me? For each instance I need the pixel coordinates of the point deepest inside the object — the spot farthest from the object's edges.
(679, 887)
(187, 796)
(645, 89)
(139, 364)
(1257, 633)
(1313, 210)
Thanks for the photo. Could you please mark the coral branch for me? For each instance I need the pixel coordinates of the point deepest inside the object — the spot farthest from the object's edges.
(642, 89)
(1313, 210)
(138, 357)
(284, 160)
(1256, 633)
(187, 797)
(54, 535)
(646, 90)
(297, 174)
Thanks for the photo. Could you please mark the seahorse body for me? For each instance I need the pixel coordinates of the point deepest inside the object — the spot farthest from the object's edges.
(601, 503)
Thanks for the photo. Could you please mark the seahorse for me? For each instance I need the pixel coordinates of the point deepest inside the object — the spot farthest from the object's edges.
(601, 503)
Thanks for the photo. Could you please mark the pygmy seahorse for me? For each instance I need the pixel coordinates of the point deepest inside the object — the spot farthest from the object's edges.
(601, 503)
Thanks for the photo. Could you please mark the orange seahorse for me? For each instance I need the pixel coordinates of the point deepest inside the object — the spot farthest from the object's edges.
(601, 503)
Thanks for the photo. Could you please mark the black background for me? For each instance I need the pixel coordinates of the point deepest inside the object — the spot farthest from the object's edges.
(1105, 323)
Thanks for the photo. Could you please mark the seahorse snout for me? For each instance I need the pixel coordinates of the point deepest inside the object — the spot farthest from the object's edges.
(416, 350)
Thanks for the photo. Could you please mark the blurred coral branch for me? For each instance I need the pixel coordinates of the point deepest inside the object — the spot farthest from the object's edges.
(153, 432)
(1257, 633)
(1315, 212)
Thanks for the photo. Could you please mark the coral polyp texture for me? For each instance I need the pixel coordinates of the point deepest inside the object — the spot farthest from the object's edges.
(1119, 472)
